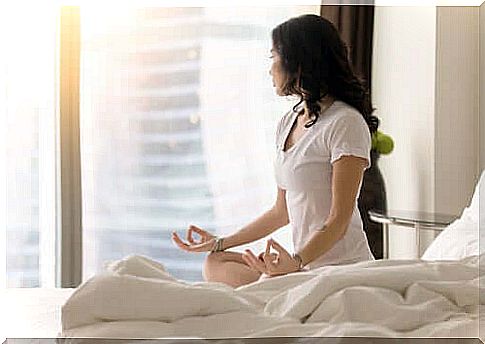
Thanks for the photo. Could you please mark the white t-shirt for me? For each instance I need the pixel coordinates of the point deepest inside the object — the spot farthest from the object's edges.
(305, 172)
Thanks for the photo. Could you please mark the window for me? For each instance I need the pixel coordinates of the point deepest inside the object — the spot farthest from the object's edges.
(28, 112)
(177, 121)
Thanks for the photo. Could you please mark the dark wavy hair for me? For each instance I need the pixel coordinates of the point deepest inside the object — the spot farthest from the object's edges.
(315, 59)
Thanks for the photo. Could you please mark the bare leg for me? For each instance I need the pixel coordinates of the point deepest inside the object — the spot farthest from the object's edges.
(228, 267)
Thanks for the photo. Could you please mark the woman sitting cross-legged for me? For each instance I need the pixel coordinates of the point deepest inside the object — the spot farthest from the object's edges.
(322, 149)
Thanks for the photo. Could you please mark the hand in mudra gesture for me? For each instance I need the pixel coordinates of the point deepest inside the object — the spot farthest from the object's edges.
(271, 264)
(204, 244)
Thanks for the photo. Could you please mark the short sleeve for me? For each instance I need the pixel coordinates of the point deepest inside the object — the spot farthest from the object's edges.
(349, 135)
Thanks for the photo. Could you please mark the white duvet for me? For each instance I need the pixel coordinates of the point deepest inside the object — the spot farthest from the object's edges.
(136, 298)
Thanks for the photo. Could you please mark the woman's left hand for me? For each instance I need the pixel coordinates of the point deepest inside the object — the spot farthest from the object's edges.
(272, 264)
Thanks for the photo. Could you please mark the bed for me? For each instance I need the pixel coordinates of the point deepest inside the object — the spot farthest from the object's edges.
(32, 312)
(435, 296)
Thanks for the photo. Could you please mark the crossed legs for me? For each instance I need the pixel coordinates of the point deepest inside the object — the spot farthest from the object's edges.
(228, 267)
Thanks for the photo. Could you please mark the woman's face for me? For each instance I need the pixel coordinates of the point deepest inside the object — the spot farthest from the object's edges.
(277, 73)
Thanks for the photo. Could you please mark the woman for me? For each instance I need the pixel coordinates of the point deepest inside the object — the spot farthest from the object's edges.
(323, 148)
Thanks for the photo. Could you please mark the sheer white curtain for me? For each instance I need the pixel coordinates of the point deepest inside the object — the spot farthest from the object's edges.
(177, 127)
(178, 117)
(27, 161)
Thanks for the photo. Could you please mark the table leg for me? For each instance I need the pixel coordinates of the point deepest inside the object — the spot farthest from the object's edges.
(385, 239)
(417, 230)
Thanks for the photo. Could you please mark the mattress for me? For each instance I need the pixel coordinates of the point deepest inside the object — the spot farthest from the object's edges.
(32, 312)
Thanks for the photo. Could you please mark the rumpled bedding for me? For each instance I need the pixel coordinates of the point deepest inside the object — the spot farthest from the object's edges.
(136, 298)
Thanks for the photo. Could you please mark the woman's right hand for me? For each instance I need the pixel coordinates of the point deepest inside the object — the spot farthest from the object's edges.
(205, 244)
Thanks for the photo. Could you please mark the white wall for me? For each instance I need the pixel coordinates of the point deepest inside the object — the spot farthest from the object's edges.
(426, 91)
(404, 94)
(456, 117)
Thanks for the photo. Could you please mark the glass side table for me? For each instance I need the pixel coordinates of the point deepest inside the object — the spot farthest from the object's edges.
(417, 220)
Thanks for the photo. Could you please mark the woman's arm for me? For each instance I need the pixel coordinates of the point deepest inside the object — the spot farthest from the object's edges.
(267, 223)
(347, 175)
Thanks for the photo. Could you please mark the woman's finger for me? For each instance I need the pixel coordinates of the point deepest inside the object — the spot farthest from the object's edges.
(281, 250)
(204, 234)
(248, 262)
(197, 230)
(203, 247)
(190, 237)
(268, 257)
(255, 262)
(268, 248)
(176, 239)
(269, 263)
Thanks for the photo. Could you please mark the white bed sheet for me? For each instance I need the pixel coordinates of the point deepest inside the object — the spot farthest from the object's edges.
(36, 313)
(32, 312)
(136, 298)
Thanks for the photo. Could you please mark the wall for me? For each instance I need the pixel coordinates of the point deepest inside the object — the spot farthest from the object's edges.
(456, 117)
(404, 94)
(426, 91)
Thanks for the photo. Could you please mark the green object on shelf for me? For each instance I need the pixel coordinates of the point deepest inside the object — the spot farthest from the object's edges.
(382, 143)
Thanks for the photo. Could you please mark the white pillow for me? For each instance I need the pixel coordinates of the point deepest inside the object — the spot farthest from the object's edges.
(461, 238)
(457, 241)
